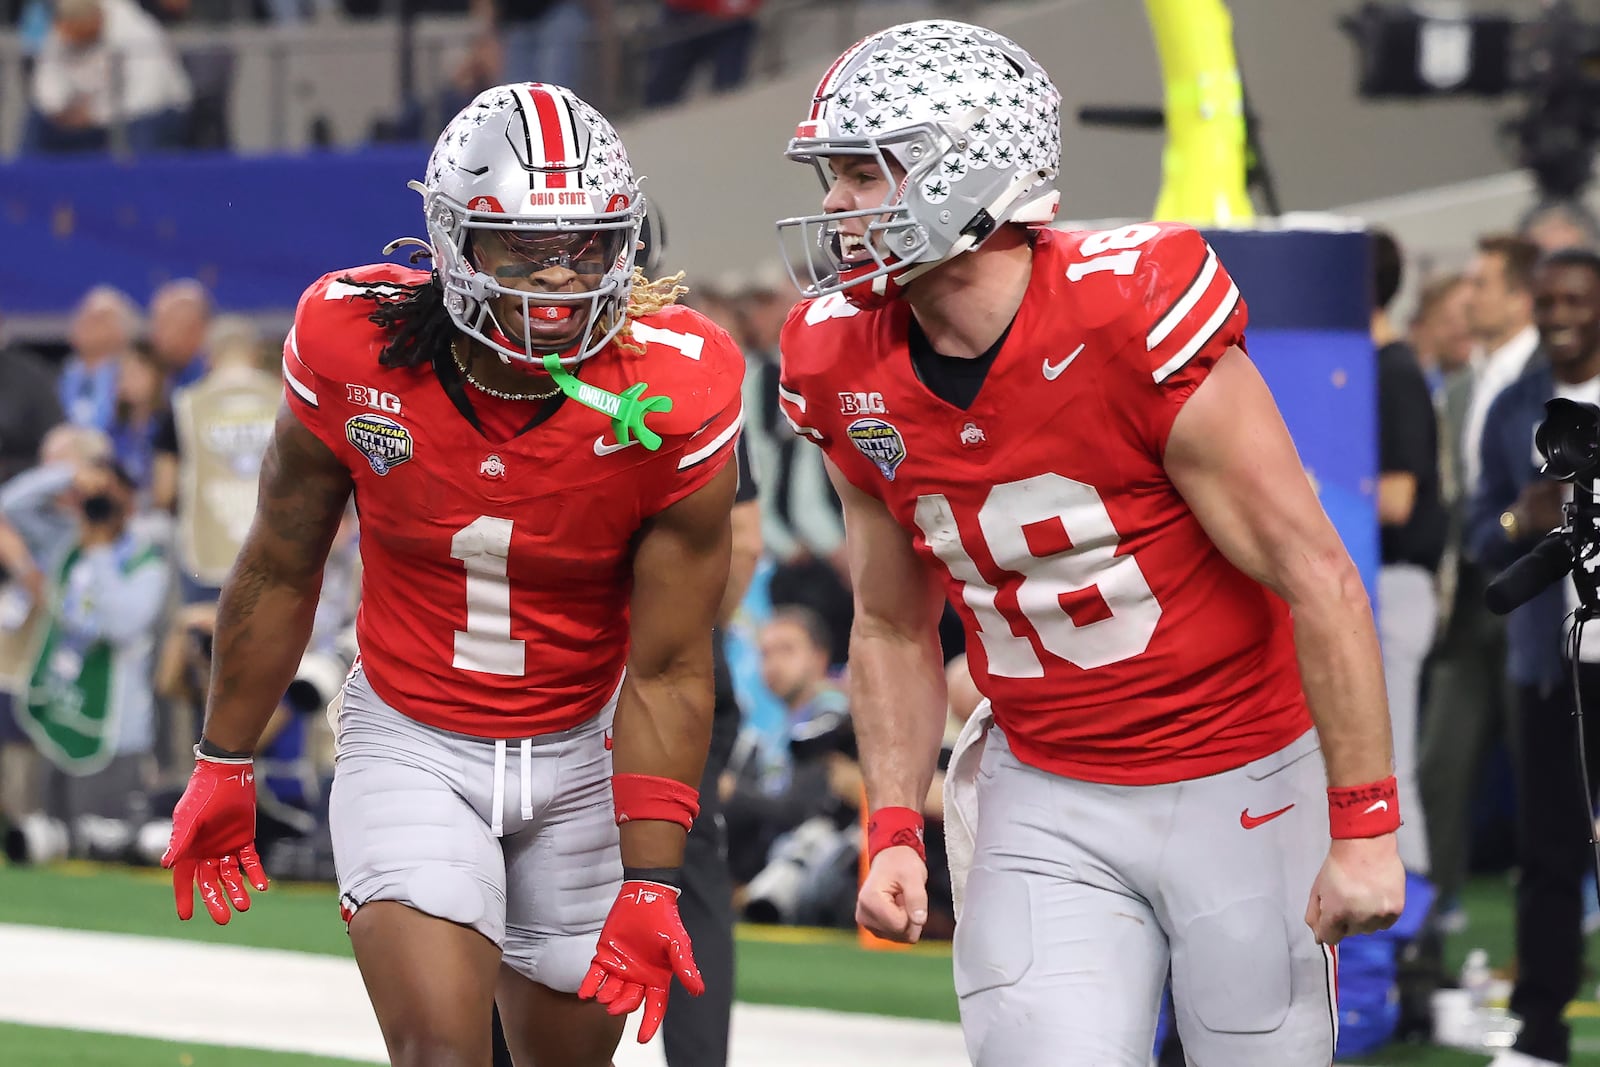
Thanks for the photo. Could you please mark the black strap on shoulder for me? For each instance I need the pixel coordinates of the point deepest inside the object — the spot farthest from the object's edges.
(449, 375)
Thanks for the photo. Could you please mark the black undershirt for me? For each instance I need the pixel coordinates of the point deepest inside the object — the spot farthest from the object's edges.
(953, 379)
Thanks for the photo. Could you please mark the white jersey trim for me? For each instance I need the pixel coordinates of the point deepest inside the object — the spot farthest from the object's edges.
(716, 443)
(301, 390)
(1185, 304)
(1206, 331)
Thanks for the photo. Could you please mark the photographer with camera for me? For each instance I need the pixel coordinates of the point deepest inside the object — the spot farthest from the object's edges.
(89, 709)
(1514, 507)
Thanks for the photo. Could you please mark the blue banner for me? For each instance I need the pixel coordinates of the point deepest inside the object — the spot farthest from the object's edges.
(257, 231)
(1309, 297)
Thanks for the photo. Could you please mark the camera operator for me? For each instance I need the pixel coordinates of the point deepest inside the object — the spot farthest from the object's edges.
(89, 708)
(1512, 510)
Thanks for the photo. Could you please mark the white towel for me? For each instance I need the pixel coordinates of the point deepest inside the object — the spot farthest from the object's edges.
(961, 799)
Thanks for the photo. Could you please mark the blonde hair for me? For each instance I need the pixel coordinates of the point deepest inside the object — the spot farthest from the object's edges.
(648, 296)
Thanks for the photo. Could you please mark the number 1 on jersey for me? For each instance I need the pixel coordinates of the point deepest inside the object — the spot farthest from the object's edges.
(486, 645)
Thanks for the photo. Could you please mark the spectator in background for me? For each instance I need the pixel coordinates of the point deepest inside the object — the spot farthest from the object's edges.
(208, 452)
(794, 665)
(566, 42)
(1512, 509)
(179, 316)
(801, 524)
(1440, 331)
(38, 519)
(1501, 312)
(101, 334)
(107, 64)
(719, 34)
(140, 401)
(90, 710)
(1557, 224)
(1468, 697)
(28, 408)
(1411, 523)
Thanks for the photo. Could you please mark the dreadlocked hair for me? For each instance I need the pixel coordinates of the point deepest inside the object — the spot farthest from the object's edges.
(419, 327)
(648, 296)
(414, 317)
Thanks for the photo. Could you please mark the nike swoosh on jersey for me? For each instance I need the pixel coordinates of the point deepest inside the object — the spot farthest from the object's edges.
(1052, 371)
(1250, 822)
(603, 449)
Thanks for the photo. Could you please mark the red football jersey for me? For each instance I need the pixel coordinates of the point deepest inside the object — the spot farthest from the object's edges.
(496, 573)
(1115, 641)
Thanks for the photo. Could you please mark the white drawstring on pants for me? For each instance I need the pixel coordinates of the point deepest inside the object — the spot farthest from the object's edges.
(497, 820)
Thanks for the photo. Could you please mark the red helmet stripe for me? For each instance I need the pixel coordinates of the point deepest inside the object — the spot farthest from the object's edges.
(556, 140)
(825, 86)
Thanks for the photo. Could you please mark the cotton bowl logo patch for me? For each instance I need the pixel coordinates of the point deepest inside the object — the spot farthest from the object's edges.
(880, 442)
(384, 442)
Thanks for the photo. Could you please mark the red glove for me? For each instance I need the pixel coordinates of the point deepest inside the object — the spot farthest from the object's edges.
(214, 839)
(642, 945)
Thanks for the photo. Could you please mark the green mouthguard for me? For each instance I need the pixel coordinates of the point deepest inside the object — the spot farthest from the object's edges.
(627, 410)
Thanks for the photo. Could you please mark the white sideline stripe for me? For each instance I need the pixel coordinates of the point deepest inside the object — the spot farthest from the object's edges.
(298, 1002)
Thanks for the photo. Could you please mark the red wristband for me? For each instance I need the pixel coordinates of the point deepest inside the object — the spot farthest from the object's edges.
(646, 796)
(889, 827)
(1370, 810)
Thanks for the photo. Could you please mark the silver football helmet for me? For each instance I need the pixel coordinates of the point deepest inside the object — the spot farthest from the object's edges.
(526, 177)
(969, 119)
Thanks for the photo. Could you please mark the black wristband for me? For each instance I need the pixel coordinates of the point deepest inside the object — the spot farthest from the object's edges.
(669, 876)
(213, 751)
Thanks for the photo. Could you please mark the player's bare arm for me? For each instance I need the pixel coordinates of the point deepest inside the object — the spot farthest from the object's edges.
(663, 721)
(1231, 457)
(897, 702)
(897, 692)
(269, 601)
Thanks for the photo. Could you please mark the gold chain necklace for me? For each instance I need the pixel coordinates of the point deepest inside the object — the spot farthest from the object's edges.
(461, 365)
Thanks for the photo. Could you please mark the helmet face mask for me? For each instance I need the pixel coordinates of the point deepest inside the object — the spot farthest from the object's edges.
(895, 240)
(967, 121)
(533, 215)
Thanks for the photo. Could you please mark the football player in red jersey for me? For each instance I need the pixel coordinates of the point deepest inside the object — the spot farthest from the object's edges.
(1062, 433)
(538, 444)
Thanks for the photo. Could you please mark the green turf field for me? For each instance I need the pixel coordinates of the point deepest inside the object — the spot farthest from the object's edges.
(37, 1047)
(776, 966)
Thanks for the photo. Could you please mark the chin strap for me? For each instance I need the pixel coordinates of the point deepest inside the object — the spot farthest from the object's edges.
(627, 410)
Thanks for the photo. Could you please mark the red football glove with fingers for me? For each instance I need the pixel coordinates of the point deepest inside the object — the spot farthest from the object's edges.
(642, 946)
(214, 839)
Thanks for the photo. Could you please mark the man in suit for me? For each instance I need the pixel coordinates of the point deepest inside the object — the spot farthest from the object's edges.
(1511, 511)
(1468, 698)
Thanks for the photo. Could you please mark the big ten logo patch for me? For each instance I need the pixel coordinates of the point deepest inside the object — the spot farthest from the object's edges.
(367, 396)
(861, 404)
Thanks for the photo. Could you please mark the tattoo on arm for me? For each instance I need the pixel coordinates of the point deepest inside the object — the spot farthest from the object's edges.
(265, 612)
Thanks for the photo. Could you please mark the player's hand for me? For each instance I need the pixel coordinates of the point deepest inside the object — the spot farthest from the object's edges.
(1360, 889)
(893, 902)
(642, 946)
(214, 839)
